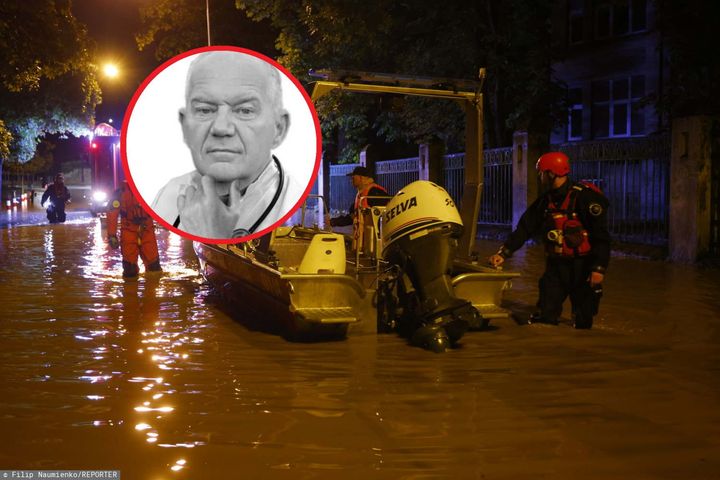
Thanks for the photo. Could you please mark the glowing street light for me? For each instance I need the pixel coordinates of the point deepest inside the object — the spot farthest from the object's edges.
(110, 70)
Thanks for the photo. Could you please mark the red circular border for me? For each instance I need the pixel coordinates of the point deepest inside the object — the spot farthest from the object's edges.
(155, 73)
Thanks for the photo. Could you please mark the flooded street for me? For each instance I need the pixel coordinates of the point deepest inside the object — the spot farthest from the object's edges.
(155, 379)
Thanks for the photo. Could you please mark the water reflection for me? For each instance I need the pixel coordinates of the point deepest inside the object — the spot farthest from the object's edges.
(148, 376)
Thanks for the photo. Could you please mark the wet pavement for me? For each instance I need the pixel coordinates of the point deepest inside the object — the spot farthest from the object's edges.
(154, 378)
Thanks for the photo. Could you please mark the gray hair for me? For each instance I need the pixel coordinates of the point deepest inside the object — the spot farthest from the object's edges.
(273, 87)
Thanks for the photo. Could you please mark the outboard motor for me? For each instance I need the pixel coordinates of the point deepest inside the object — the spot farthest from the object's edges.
(420, 232)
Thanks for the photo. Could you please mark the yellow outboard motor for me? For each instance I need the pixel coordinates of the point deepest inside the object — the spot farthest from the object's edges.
(420, 232)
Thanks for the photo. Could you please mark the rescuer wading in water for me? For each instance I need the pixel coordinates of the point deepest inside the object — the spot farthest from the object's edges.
(137, 233)
(572, 219)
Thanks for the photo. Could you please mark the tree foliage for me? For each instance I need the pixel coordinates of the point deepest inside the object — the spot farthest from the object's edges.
(175, 26)
(450, 39)
(511, 38)
(689, 30)
(47, 80)
(40, 162)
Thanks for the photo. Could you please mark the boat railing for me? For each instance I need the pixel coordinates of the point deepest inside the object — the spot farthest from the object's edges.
(318, 212)
(368, 234)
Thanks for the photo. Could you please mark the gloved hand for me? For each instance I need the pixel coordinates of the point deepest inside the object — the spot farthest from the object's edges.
(113, 241)
(496, 260)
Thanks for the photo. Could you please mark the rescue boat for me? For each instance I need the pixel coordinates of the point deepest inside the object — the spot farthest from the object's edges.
(411, 266)
(308, 283)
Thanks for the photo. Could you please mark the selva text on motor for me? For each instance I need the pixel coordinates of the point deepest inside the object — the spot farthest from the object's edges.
(400, 208)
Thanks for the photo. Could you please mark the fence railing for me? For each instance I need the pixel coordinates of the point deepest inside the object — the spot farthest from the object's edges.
(634, 174)
(342, 193)
(395, 174)
(496, 200)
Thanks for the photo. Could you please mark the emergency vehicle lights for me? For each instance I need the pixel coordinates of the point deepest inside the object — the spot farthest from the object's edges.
(93, 145)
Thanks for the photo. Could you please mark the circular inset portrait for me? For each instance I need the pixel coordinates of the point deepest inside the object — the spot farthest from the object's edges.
(221, 144)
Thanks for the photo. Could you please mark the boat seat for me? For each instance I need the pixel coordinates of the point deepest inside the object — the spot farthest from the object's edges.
(326, 254)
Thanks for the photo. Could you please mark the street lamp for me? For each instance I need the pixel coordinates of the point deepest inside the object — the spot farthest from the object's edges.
(110, 70)
(207, 17)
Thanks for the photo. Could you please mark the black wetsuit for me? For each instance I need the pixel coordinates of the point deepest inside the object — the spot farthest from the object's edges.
(59, 195)
(567, 274)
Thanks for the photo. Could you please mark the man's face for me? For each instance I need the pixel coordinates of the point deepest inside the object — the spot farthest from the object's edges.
(229, 122)
(357, 181)
(546, 180)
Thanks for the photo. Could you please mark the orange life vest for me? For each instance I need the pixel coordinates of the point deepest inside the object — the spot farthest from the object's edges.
(132, 215)
(363, 193)
(358, 221)
(567, 236)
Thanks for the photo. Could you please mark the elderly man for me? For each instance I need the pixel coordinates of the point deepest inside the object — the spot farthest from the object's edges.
(364, 183)
(233, 118)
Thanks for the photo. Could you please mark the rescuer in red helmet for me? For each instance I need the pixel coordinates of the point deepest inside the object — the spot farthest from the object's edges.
(137, 234)
(572, 220)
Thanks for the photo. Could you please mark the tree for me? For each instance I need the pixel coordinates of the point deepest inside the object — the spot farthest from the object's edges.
(689, 31)
(452, 39)
(47, 79)
(175, 26)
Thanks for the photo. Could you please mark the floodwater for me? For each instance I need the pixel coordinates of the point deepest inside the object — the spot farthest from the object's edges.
(152, 378)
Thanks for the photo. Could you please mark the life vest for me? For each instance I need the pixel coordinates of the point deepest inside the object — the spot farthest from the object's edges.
(363, 193)
(129, 207)
(358, 219)
(566, 236)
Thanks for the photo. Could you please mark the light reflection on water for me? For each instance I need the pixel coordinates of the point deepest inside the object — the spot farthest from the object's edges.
(149, 377)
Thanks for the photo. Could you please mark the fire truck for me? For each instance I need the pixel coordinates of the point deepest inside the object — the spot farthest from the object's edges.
(107, 171)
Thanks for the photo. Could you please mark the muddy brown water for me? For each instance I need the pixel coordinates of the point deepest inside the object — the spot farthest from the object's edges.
(152, 378)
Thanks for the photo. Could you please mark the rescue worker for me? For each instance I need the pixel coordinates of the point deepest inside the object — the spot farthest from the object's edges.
(364, 183)
(137, 233)
(572, 219)
(58, 195)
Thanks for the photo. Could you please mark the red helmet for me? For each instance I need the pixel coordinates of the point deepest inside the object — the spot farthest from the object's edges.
(555, 162)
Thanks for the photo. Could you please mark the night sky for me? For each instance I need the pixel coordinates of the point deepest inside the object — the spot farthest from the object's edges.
(112, 24)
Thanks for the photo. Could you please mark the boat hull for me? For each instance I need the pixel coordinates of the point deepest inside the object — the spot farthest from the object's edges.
(302, 306)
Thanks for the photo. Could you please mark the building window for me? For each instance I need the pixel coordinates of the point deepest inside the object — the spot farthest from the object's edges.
(602, 21)
(616, 107)
(576, 27)
(620, 18)
(638, 15)
(575, 120)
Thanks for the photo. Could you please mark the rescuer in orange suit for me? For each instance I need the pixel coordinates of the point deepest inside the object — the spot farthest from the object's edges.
(137, 233)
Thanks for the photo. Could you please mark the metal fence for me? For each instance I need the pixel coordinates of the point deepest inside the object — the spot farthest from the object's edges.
(496, 206)
(634, 174)
(496, 203)
(496, 198)
(342, 193)
(395, 174)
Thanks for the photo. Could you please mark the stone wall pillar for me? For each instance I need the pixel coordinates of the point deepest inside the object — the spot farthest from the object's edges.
(430, 165)
(690, 187)
(526, 150)
(369, 156)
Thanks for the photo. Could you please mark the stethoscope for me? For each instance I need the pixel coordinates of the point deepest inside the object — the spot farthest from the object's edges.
(242, 232)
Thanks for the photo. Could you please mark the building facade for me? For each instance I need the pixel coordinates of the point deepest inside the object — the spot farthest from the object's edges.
(613, 66)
